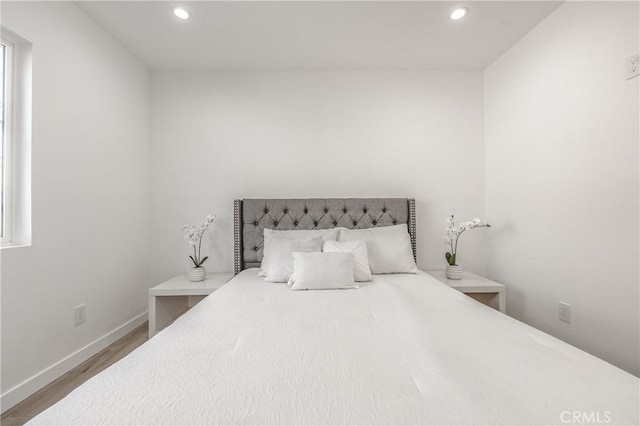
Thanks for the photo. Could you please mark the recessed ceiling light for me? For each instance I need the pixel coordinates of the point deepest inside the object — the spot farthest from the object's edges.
(459, 13)
(181, 13)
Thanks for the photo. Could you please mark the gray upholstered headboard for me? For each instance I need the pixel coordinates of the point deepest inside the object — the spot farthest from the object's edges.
(252, 216)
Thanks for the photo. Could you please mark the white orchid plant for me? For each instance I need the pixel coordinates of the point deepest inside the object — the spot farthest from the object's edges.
(453, 233)
(194, 235)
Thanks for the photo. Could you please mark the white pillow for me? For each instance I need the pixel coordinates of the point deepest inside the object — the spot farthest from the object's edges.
(389, 248)
(361, 270)
(322, 271)
(281, 262)
(270, 235)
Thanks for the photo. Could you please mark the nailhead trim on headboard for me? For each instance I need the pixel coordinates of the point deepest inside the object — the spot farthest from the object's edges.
(237, 236)
(412, 226)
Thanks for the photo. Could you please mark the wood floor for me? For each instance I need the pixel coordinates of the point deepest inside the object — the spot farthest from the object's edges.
(58, 389)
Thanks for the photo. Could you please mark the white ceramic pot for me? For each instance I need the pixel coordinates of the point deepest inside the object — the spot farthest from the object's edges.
(197, 274)
(454, 272)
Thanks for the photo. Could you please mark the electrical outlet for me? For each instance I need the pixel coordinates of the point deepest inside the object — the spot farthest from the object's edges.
(633, 66)
(80, 312)
(565, 312)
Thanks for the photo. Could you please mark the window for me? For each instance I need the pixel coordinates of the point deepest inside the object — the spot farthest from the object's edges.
(15, 140)
(5, 151)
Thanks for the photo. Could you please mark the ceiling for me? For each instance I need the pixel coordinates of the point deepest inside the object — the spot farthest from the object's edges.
(225, 35)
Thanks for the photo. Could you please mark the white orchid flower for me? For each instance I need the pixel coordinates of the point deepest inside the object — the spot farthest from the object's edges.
(452, 234)
(194, 235)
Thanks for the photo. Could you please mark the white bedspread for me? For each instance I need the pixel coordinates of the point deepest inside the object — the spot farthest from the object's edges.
(404, 349)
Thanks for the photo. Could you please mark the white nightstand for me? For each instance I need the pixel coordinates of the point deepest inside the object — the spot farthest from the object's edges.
(172, 298)
(477, 287)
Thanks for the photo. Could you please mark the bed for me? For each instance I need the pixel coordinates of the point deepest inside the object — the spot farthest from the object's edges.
(401, 349)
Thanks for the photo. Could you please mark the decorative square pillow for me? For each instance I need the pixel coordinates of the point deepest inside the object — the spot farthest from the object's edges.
(271, 234)
(361, 270)
(281, 261)
(322, 271)
(389, 248)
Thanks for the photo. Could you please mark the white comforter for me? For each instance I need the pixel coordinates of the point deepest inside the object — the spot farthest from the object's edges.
(404, 349)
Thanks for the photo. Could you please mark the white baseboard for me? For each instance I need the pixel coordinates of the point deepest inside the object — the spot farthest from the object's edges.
(33, 384)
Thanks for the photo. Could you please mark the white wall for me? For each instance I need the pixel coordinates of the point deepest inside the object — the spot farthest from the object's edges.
(216, 136)
(561, 135)
(90, 196)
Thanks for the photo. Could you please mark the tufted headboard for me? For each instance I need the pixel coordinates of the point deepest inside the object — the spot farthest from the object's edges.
(252, 216)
